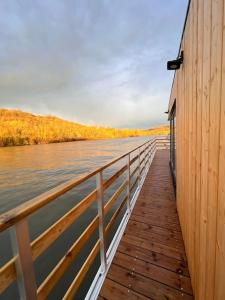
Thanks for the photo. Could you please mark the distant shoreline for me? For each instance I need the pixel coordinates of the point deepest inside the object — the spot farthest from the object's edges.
(18, 128)
(46, 143)
(75, 140)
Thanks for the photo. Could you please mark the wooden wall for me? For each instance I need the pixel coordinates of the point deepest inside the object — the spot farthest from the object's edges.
(199, 90)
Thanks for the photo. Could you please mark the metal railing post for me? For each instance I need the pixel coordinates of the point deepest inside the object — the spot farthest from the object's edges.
(24, 263)
(139, 167)
(149, 154)
(153, 150)
(156, 145)
(145, 170)
(128, 182)
(100, 198)
(146, 159)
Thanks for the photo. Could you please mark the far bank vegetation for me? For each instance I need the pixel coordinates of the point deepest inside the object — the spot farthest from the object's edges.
(21, 128)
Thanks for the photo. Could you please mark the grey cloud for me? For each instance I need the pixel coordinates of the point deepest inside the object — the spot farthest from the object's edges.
(92, 61)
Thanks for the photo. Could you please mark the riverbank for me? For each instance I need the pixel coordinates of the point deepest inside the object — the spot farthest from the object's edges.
(19, 128)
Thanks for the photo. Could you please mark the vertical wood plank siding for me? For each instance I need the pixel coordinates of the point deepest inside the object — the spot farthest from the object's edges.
(199, 91)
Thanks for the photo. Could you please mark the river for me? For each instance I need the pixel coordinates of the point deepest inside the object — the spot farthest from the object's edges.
(28, 171)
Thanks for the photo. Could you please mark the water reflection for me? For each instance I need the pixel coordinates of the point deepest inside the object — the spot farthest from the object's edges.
(30, 170)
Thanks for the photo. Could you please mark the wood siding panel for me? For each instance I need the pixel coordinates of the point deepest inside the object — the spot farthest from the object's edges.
(199, 90)
(200, 8)
(220, 243)
(214, 134)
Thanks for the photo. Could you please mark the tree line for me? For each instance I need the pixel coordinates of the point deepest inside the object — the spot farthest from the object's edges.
(21, 128)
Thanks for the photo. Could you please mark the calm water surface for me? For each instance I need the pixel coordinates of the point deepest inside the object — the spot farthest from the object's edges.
(28, 171)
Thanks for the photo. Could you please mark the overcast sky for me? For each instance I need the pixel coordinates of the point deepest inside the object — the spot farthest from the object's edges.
(90, 61)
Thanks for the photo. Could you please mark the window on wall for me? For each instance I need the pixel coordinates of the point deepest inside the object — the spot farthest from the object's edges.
(172, 119)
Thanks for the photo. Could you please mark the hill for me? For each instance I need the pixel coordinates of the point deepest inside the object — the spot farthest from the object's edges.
(21, 128)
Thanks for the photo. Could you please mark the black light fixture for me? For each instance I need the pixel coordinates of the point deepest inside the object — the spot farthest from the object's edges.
(175, 64)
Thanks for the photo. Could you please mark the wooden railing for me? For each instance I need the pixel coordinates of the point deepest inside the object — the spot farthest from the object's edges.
(20, 268)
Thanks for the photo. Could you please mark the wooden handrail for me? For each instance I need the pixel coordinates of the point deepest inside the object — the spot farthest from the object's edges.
(114, 197)
(142, 160)
(83, 271)
(66, 261)
(112, 220)
(7, 274)
(44, 240)
(78, 279)
(60, 268)
(134, 183)
(113, 178)
(134, 171)
(142, 169)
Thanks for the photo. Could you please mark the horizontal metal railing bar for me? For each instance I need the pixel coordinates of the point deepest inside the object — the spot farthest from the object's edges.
(16, 214)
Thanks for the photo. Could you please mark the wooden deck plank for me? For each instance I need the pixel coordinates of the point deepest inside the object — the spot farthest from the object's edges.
(155, 229)
(153, 220)
(153, 272)
(164, 218)
(145, 286)
(150, 262)
(156, 208)
(112, 290)
(154, 237)
(156, 247)
(158, 259)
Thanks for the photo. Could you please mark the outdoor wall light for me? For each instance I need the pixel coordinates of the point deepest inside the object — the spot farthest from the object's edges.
(175, 64)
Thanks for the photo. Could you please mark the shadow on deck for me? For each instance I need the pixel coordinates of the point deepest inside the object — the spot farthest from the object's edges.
(150, 262)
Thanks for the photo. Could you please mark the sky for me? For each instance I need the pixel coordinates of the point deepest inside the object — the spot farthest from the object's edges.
(97, 62)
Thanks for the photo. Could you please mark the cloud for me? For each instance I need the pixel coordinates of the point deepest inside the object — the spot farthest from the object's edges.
(91, 61)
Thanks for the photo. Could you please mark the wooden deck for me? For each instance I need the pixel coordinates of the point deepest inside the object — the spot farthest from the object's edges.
(150, 262)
